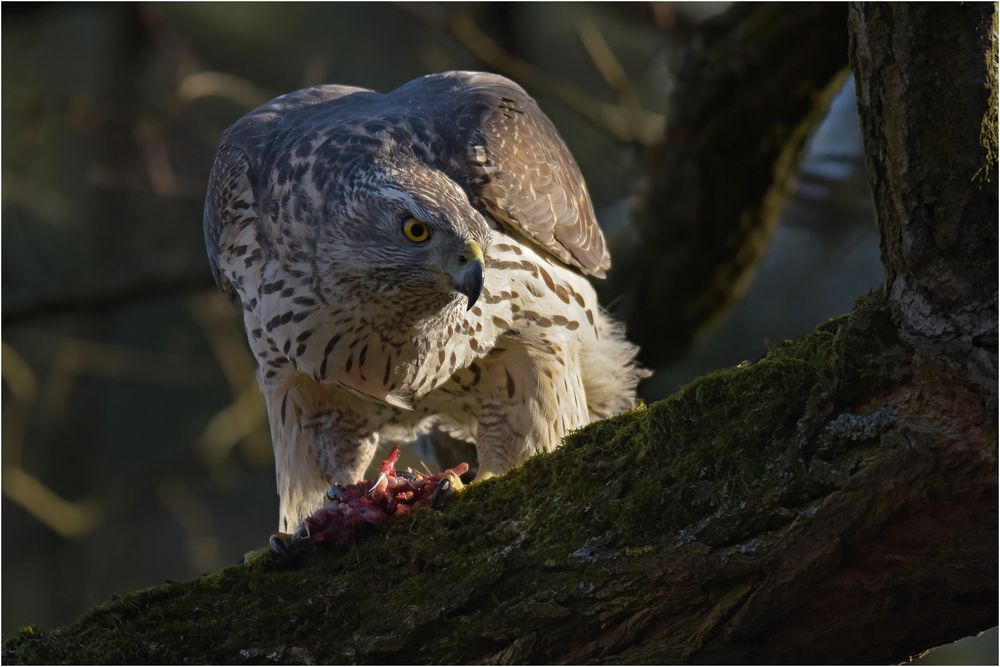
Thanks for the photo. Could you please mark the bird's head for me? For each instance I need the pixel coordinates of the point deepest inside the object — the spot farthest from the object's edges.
(410, 236)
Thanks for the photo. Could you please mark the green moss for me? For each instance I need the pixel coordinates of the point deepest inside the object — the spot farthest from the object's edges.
(989, 128)
(727, 458)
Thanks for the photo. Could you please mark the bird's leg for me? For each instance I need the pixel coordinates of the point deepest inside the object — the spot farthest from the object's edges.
(535, 403)
(336, 461)
(321, 437)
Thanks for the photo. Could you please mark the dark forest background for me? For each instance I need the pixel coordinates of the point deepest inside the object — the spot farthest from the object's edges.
(135, 443)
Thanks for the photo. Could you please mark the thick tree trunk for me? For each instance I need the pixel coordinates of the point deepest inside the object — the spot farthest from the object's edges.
(927, 97)
(835, 501)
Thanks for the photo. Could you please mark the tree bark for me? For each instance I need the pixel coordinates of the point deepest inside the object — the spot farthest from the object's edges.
(750, 87)
(835, 501)
(928, 111)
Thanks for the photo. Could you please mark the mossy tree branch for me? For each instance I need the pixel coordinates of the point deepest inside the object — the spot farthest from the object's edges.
(749, 88)
(835, 501)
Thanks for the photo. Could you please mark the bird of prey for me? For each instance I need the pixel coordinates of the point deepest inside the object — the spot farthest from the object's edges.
(413, 259)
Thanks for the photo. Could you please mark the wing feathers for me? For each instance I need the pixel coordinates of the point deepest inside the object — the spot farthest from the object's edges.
(521, 171)
(483, 130)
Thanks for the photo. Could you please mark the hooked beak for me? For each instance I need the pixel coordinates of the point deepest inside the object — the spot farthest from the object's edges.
(468, 277)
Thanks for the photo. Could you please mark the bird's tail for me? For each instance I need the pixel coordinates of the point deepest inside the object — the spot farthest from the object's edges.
(610, 370)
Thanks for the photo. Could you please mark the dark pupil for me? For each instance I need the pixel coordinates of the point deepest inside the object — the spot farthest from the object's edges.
(417, 230)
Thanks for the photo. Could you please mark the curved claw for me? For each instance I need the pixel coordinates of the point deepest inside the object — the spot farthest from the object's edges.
(442, 491)
(279, 543)
(335, 493)
(381, 477)
(408, 475)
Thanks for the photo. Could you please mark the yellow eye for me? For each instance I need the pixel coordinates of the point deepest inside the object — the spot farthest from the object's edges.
(416, 231)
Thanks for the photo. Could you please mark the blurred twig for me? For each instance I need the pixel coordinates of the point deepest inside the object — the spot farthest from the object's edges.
(611, 118)
(156, 154)
(644, 124)
(142, 288)
(245, 418)
(220, 84)
(78, 355)
(222, 326)
(42, 201)
(167, 40)
(18, 375)
(69, 358)
(69, 519)
(239, 420)
(23, 386)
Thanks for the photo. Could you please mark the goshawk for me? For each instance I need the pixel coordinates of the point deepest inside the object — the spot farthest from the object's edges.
(412, 259)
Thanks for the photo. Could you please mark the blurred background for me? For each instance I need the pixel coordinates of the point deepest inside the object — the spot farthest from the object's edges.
(135, 443)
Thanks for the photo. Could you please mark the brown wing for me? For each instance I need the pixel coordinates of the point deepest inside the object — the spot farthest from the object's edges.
(488, 134)
(518, 168)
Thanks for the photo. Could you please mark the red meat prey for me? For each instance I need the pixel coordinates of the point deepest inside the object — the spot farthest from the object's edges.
(353, 507)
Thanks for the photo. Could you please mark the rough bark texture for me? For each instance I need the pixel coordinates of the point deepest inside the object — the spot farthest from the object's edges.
(749, 89)
(835, 501)
(930, 143)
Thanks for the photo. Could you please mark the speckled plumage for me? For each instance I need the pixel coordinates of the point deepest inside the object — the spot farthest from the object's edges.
(357, 335)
